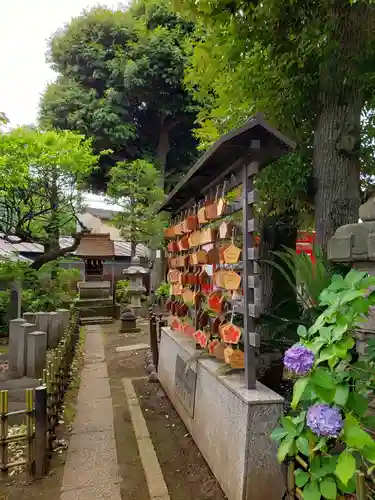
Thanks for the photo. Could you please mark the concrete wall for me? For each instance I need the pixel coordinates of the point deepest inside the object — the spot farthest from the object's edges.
(230, 425)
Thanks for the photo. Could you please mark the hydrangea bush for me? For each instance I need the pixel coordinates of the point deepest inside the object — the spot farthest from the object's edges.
(329, 426)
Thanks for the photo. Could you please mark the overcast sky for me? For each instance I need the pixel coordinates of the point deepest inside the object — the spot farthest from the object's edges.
(25, 26)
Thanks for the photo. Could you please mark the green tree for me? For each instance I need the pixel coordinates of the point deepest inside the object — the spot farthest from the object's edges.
(310, 67)
(134, 186)
(40, 176)
(121, 82)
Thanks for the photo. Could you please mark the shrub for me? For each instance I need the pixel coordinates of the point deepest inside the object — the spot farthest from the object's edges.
(328, 424)
(122, 291)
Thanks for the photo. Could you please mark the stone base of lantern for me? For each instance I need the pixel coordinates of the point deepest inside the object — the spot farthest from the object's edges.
(229, 423)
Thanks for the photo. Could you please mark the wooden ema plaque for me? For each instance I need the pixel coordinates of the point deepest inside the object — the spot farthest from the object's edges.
(212, 346)
(195, 239)
(231, 254)
(198, 258)
(188, 296)
(216, 302)
(211, 211)
(174, 276)
(219, 351)
(221, 206)
(213, 256)
(208, 235)
(226, 230)
(235, 358)
(202, 215)
(176, 289)
(230, 280)
(190, 224)
(201, 338)
(230, 333)
(183, 244)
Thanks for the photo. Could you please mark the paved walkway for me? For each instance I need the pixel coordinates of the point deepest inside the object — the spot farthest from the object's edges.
(91, 469)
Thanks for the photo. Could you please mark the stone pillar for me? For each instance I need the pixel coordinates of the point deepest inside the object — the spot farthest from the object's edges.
(65, 314)
(54, 328)
(16, 342)
(29, 317)
(42, 323)
(36, 354)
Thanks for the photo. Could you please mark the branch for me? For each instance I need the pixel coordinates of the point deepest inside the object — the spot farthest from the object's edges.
(55, 254)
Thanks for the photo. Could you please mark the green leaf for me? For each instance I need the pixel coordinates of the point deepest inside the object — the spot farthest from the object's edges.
(339, 331)
(341, 396)
(302, 331)
(354, 276)
(369, 454)
(284, 448)
(303, 445)
(298, 390)
(346, 467)
(301, 477)
(278, 434)
(311, 491)
(351, 295)
(320, 444)
(316, 345)
(326, 353)
(357, 403)
(326, 395)
(328, 488)
(289, 425)
(355, 436)
(326, 333)
(323, 378)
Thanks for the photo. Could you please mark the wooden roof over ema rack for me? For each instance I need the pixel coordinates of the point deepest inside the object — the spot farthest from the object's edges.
(254, 141)
(96, 246)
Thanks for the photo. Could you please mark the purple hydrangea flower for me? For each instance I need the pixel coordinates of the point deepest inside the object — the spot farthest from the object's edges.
(299, 359)
(324, 420)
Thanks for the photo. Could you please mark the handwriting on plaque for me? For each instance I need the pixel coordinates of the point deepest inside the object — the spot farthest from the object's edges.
(185, 385)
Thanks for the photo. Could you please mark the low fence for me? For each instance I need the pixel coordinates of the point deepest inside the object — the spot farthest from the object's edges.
(43, 408)
(363, 489)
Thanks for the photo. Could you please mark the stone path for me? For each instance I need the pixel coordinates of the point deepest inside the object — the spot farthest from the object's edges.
(91, 469)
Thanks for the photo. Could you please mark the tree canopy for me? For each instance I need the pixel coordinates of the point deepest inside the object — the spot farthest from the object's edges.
(134, 186)
(40, 176)
(309, 66)
(121, 83)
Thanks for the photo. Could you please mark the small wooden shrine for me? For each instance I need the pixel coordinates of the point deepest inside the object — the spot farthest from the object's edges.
(94, 248)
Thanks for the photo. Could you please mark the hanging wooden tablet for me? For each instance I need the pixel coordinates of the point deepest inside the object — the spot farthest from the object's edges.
(188, 329)
(169, 233)
(178, 229)
(183, 244)
(211, 211)
(201, 338)
(221, 207)
(195, 239)
(172, 247)
(202, 215)
(230, 333)
(226, 230)
(174, 276)
(198, 258)
(176, 289)
(216, 302)
(237, 359)
(231, 254)
(212, 345)
(228, 351)
(175, 324)
(182, 310)
(219, 351)
(222, 249)
(213, 256)
(190, 224)
(208, 235)
(231, 280)
(218, 278)
(188, 296)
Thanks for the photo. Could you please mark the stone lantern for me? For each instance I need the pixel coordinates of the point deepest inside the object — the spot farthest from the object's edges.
(135, 273)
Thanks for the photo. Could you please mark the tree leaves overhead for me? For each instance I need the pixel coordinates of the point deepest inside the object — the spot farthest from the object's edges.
(121, 83)
(40, 173)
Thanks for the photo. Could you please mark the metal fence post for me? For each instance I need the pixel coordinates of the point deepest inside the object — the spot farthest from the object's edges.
(40, 432)
(154, 340)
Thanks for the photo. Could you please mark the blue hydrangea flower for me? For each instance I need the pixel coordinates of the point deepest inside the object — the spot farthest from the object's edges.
(299, 359)
(324, 420)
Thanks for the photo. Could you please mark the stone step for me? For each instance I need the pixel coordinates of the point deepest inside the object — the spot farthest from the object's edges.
(94, 302)
(97, 320)
(97, 311)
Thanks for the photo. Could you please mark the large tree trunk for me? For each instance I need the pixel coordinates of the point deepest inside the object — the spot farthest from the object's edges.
(336, 163)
